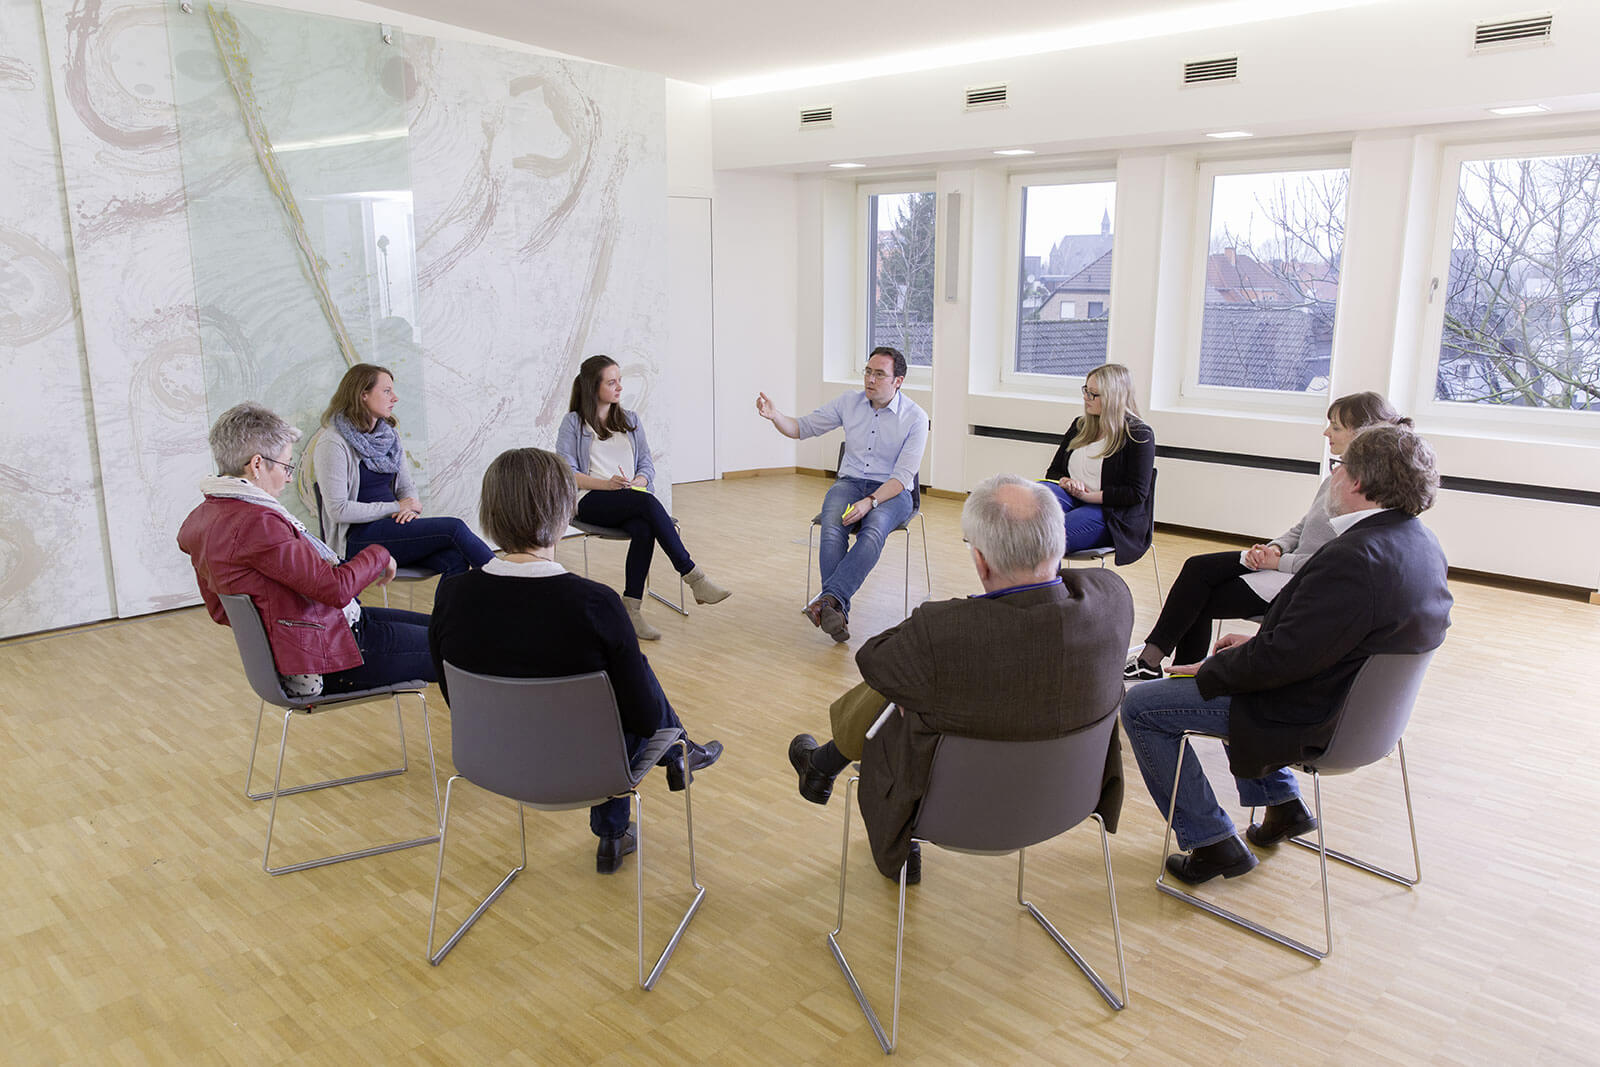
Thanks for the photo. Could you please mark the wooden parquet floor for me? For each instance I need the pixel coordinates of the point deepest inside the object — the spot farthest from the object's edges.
(136, 924)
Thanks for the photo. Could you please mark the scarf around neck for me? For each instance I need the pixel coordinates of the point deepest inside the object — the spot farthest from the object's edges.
(231, 488)
(379, 448)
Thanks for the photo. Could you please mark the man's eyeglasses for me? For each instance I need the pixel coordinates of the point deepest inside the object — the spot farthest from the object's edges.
(1334, 463)
(1090, 394)
(288, 468)
(873, 375)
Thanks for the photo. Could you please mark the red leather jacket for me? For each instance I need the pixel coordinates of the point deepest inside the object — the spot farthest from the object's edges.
(240, 547)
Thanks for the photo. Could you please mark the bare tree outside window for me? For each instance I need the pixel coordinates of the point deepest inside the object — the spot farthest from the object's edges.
(1522, 306)
(1272, 279)
(900, 235)
(1064, 279)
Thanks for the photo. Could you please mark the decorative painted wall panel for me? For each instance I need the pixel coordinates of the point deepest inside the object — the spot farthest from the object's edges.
(53, 569)
(119, 153)
(540, 191)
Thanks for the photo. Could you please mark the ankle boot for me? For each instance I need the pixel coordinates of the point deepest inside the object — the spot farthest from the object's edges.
(704, 589)
(642, 629)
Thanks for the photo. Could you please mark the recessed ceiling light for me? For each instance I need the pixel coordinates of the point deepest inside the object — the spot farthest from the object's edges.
(1518, 109)
(1013, 151)
(846, 166)
(1229, 135)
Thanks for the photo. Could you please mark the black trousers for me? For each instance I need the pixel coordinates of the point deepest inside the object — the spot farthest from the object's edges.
(1208, 588)
(647, 524)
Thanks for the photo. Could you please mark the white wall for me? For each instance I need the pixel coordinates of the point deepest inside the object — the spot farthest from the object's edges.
(1322, 83)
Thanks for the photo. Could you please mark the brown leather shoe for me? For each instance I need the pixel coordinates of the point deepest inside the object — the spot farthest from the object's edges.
(1289, 819)
(832, 619)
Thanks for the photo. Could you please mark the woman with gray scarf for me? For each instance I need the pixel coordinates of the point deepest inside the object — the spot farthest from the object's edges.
(367, 496)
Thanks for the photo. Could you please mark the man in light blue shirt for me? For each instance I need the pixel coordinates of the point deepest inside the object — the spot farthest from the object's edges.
(885, 433)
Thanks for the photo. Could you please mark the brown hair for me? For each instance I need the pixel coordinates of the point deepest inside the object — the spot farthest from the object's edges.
(357, 382)
(586, 399)
(528, 498)
(1394, 468)
(1358, 410)
(1118, 408)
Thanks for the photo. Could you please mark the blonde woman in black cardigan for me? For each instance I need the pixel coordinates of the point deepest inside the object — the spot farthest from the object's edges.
(1103, 469)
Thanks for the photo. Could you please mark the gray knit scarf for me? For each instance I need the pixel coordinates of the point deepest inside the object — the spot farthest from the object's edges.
(379, 448)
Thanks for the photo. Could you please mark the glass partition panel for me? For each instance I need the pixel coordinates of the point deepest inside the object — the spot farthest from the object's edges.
(293, 136)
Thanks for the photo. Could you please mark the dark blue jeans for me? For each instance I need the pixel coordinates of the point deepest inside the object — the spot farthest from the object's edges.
(441, 544)
(646, 523)
(394, 648)
(610, 818)
(1086, 523)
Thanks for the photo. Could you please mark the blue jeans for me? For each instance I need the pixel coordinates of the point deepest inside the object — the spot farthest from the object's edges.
(609, 818)
(394, 648)
(843, 571)
(1156, 714)
(441, 544)
(1086, 523)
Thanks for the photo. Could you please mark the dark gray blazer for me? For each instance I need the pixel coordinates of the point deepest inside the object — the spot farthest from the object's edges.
(1378, 587)
(1024, 666)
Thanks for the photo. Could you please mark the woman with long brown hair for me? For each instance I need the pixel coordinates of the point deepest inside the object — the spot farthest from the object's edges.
(1103, 469)
(366, 493)
(606, 448)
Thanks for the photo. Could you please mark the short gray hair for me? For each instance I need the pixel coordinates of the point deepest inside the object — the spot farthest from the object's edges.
(528, 498)
(246, 431)
(1013, 538)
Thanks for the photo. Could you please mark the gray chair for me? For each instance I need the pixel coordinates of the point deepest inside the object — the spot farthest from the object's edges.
(256, 653)
(553, 744)
(611, 533)
(409, 575)
(1370, 724)
(904, 528)
(1099, 555)
(993, 798)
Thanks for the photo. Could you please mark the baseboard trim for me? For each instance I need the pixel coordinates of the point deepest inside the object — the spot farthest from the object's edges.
(944, 494)
(762, 472)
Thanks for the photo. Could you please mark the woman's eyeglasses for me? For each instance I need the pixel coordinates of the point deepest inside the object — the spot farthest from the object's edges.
(288, 468)
(1090, 394)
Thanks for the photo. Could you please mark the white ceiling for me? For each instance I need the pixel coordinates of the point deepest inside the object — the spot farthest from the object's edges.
(712, 42)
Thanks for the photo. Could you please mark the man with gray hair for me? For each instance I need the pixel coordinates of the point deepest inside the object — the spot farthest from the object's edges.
(1036, 655)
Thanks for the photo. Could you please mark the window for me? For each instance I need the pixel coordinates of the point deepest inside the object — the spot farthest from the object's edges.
(1065, 266)
(1522, 298)
(900, 265)
(1270, 279)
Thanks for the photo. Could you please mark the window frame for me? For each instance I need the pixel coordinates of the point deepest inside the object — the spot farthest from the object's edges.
(917, 376)
(1012, 380)
(1241, 399)
(1536, 423)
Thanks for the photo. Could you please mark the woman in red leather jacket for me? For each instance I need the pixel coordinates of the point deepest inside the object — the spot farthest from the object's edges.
(241, 540)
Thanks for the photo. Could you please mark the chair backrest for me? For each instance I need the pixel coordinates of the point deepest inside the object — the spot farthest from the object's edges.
(1374, 713)
(999, 796)
(544, 741)
(305, 475)
(254, 649)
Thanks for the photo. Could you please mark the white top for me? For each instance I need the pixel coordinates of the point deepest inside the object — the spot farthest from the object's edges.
(535, 568)
(1085, 463)
(1341, 523)
(605, 457)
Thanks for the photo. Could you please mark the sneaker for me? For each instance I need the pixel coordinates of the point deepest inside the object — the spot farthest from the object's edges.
(1137, 671)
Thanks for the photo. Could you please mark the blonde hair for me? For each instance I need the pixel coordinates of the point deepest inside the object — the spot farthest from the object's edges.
(1117, 409)
(357, 382)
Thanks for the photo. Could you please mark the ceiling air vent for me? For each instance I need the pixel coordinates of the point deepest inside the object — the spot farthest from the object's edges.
(812, 118)
(1201, 71)
(1528, 30)
(983, 97)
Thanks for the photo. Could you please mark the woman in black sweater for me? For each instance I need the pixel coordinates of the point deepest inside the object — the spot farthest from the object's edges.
(1104, 469)
(524, 616)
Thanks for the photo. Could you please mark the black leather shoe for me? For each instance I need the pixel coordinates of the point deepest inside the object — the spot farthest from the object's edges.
(913, 866)
(1228, 857)
(1289, 819)
(700, 757)
(608, 856)
(816, 786)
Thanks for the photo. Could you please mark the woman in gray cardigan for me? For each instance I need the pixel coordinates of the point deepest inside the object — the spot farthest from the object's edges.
(606, 448)
(1239, 585)
(365, 492)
